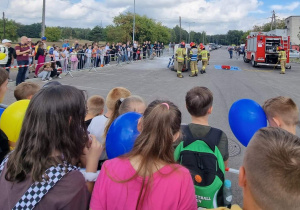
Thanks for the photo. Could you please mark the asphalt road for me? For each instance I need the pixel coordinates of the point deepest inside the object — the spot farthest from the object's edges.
(152, 80)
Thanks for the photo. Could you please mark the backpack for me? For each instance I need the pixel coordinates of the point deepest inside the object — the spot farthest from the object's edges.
(206, 165)
(51, 51)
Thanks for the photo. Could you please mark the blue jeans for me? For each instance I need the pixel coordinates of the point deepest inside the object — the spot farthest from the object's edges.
(22, 71)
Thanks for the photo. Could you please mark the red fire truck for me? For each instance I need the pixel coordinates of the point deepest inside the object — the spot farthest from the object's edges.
(261, 49)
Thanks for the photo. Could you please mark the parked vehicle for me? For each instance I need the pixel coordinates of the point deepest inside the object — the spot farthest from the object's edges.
(294, 54)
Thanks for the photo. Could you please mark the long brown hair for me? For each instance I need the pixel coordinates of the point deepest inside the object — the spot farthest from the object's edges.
(160, 122)
(53, 123)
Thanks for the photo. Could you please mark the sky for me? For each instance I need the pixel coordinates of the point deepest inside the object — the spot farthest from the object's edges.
(212, 16)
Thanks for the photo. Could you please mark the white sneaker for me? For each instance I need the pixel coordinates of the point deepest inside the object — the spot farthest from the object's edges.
(59, 77)
(50, 78)
(44, 80)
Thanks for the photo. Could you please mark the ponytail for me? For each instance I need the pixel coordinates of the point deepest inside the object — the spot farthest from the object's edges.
(114, 116)
(160, 122)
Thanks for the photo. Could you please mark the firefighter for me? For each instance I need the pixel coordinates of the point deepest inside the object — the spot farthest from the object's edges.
(180, 58)
(194, 56)
(204, 56)
(282, 59)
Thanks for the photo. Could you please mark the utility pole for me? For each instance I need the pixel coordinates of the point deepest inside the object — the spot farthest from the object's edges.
(3, 25)
(203, 34)
(133, 31)
(273, 20)
(180, 29)
(43, 18)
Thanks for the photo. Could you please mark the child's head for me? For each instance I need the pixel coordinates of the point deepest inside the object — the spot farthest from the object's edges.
(53, 130)
(199, 101)
(159, 126)
(282, 112)
(3, 83)
(114, 95)
(132, 104)
(26, 90)
(95, 105)
(271, 170)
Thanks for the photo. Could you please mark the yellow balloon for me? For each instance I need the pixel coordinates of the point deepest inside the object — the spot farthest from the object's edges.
(48, 48)
(2, 56)
(12, 119)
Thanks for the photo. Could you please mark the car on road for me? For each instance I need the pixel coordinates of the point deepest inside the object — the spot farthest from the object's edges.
(294, 54)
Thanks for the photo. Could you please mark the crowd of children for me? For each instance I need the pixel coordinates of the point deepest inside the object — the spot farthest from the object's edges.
(69, 132)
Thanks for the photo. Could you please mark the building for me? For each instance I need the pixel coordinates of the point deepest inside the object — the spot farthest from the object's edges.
(293, 29)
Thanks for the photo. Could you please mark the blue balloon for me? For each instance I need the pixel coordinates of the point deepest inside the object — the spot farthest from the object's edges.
(245, 118)
(122, 134)
(1, 111)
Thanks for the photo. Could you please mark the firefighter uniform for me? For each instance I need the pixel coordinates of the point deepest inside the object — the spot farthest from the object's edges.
(194, 56)
(204, 57)
(180, 58)
(282, 58)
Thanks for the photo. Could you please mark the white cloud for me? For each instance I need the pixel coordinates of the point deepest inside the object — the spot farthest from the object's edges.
(289, 7)
(216, 16)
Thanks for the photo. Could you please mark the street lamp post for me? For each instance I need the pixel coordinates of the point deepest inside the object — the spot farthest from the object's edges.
(43, 18)
(133, 31)
(189, 30)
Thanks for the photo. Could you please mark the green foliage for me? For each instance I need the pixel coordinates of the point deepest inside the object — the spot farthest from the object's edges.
(75, 33)
(53, 34)
(145, 29)
(32, 31)
(96, 34)
(280, 24)
(10, 30)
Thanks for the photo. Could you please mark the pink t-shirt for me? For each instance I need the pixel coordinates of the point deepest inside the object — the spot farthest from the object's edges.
(171, 189)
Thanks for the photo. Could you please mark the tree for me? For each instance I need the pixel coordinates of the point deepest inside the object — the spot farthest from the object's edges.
(96, 34)
(280, 24)
(32, 31)
(53, 34)
(10, 30)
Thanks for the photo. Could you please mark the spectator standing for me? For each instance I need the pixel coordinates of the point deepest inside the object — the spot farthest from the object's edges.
(74, 60)
(76, 45)
(107, 54)
(22, 51)
(88, 54)
(162, 47)
(112, 51)
(11, 55)
(66, 44)
(30, 58)
(148, 48)
(4, 49)
(57, 56)
(44, 39)
(144, 50)
(40, 57)
(80, 57)
(65, 55)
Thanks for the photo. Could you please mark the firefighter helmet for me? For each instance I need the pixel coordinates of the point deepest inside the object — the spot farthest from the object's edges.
(280, 48)
(192, 44)
(182, 44)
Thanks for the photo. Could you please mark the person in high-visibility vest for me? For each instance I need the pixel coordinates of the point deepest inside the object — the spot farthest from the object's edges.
(194, 56)
(204, 56)
(282, 59)
(180, 58)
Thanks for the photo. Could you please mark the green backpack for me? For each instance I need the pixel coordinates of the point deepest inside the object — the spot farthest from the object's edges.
(206, 165)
